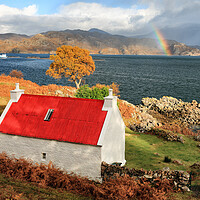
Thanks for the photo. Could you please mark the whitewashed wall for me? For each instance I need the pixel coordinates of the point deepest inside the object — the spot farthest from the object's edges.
(113, 136)
(84, 160)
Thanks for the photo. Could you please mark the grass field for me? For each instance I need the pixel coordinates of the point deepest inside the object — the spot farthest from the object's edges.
(148, 152)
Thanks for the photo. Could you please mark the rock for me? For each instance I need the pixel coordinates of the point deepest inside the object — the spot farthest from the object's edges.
(166, 134)
(59, 93)
(195, 166)
(180, 139)
(185, 189)
(177, 162)
(166, 169)
(140, 120)
(155, 175)
(197, 138)
(148, 176)
(175, 184)
(187, 113)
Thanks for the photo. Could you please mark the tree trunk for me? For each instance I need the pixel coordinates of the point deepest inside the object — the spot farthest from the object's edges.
(78, 83)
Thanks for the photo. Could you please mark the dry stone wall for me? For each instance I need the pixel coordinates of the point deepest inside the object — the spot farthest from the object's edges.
(181, 179)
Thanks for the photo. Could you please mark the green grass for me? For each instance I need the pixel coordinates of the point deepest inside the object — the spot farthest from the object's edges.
(148, 152)
(15, 189)
(140, 153)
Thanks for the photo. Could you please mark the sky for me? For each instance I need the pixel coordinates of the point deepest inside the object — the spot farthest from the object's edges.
(124, 17)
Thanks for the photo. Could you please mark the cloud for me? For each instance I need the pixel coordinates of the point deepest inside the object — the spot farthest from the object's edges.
(8, 11)
(135, 19)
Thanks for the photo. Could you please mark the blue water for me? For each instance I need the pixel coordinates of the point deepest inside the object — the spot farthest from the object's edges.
(138, 76)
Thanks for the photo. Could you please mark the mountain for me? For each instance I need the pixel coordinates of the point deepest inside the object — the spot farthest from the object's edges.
(195, 46)
(95, 40)
(188, 34)
(93, 30)
(12, 36)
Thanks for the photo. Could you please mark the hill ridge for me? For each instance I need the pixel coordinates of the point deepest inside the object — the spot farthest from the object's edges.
(95, 40)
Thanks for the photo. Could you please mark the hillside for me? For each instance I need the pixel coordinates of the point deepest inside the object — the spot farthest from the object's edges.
(96, 41)
(152, 146)
(12, 36)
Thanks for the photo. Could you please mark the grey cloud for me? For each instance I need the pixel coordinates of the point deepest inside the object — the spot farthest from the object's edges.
(125, 21)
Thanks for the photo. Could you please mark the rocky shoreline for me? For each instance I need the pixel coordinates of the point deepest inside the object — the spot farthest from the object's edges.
(152, 113)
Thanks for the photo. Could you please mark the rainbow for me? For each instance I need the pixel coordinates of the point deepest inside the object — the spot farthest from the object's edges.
(162, 42)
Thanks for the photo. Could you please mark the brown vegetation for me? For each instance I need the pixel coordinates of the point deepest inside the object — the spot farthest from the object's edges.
(8, 83)
(17, 74)
(113, 86)
(119, 188)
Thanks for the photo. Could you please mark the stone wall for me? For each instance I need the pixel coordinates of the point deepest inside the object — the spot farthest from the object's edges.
(181, 179)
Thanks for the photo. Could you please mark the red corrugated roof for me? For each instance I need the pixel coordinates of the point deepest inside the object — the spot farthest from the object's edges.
(73, 120)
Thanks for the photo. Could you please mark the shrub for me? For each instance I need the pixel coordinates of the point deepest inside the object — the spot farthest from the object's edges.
(95, 93)
(167, 159)
(17, 74)
(113, 86)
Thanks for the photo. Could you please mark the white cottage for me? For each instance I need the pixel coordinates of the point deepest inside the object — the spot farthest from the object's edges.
(75, 134)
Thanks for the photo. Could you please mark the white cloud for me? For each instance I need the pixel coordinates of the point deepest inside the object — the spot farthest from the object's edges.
(114, 20)
(30, 10)
(126, 21)
(8, 11)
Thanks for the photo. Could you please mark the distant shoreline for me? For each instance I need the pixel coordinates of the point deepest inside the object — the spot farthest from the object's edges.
(35, 57)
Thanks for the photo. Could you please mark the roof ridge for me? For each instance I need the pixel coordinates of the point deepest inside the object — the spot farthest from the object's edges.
(80, 99)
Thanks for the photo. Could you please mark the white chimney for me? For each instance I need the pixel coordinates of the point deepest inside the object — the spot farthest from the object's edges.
(110, 100)
(110, 92)
(15, 94)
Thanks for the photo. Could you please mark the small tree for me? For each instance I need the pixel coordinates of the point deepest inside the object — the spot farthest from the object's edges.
(71, 62)
(17, 74)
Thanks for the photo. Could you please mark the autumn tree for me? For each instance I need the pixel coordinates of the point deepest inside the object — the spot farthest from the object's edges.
(15, 73)
(71, 62)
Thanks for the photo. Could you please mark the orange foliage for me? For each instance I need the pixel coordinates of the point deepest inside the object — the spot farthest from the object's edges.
(126, 110)
(8, 83)
(124, 187)
(17, 74)
(129, 113)
(72, 62)
(113, 86)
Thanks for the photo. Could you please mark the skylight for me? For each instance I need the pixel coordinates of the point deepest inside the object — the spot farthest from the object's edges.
(48, 115)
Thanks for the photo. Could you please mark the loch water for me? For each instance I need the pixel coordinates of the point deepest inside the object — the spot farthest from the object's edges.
(138, 76)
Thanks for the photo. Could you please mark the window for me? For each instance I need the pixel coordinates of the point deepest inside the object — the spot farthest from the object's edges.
(48, 115)
(44, 156)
